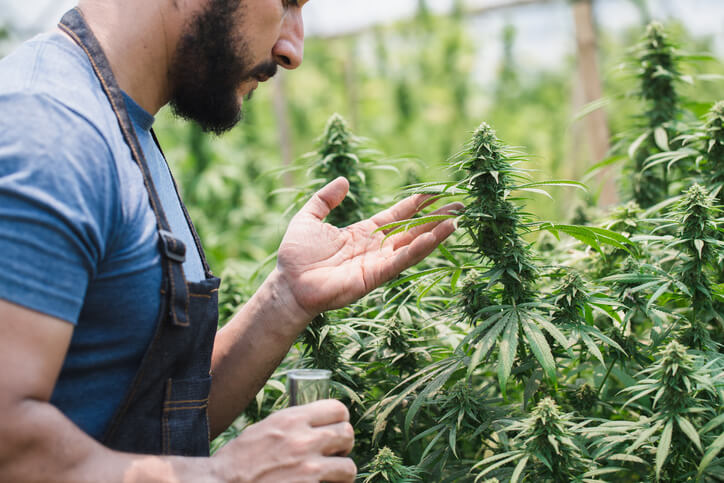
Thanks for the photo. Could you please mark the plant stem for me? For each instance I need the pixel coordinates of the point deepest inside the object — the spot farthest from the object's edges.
(605, 378)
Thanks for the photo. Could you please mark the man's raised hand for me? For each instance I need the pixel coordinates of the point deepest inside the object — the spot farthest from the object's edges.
(326, 267)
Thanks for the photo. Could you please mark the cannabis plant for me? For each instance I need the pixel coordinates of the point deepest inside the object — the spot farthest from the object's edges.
(464, 422)
(714, 150)
(341, 153)
(675, 397)
(575, 301)
(591, 354)
(495, 223)
(658, 72)
(698, 246)
(387, 467)
(546, 446)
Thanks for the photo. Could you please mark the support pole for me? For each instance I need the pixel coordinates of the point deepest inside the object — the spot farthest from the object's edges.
(596, 123)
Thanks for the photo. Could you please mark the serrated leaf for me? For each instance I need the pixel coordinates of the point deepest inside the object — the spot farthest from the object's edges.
(594, 332)
(452, 440)
(418, 275)
(540, 348)
(638, 396)
(454, 279)
(554, 182)
(699, 244)
(593, 170)
(449, 256)
(661, 138)
(603, 471)
(496, 465)
(659, 292)
(627, 457)
(531, 386)
(406, 225)
(426, 374)
(507, 348)
(556, 334)
(519, 469)
(430, 389)
(645, 435)
(592, 347)
(710, 77)
(536, 191)
(662, 451)
(713, 424)
(592, 236)
(591, 107)
(688, 429)
(710, 454)
(472, 336)
(637, 144)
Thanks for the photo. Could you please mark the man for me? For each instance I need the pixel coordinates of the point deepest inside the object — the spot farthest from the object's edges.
(112, 369)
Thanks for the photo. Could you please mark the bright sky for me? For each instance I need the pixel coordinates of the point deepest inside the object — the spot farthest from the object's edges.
(544, 32)
(329, 16)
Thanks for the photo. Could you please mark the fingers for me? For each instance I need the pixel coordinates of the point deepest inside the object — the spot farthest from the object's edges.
(402, 210)
(327, 198)
(302, 443)
(418, 249)
(407, 237)
(329, 419)
(336, 439)
(338, 470)
(423, 245)
(323, 413)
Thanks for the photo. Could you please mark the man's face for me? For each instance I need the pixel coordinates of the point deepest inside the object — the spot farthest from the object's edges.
(225, 50)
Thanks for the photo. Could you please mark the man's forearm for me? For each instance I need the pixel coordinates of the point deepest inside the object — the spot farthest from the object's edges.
(250, 347)
(39, 444)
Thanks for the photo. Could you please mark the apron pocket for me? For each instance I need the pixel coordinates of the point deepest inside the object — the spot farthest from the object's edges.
(185, 428)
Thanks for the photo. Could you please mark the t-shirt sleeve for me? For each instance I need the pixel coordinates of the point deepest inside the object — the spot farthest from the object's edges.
(57, 206)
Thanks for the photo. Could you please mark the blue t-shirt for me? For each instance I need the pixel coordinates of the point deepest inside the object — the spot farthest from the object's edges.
(78, 237)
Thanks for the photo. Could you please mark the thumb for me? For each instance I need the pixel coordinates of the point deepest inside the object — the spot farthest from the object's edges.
(327, 198)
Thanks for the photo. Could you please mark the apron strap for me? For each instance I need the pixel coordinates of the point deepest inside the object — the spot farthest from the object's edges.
(172, 249)
(192, 228)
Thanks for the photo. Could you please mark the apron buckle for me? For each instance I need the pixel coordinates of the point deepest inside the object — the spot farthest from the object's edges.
(171, 247)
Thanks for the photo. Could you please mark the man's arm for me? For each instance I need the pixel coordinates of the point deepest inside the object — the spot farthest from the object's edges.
(249, 348)
(39, 444)
(319, 267)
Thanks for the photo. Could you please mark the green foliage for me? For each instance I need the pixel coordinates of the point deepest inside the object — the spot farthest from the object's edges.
(546, 447)
(340, 154)
(386, 466)
(523, 349)
(698, 245)
(712, 137)
(658, 73)
(490, 218)
(680, 393)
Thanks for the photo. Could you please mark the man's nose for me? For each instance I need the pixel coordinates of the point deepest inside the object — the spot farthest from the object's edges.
(289, 49)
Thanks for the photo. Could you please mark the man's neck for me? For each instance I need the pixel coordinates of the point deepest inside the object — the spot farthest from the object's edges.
(139, 39)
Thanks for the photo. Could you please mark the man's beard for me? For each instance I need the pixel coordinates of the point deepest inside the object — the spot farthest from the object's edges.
(210, 63)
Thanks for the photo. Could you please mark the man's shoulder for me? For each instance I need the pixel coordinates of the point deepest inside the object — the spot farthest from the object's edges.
(48, 89)
(57, 133)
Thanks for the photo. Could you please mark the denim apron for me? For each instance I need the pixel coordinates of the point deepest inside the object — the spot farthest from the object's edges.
(165, 409)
